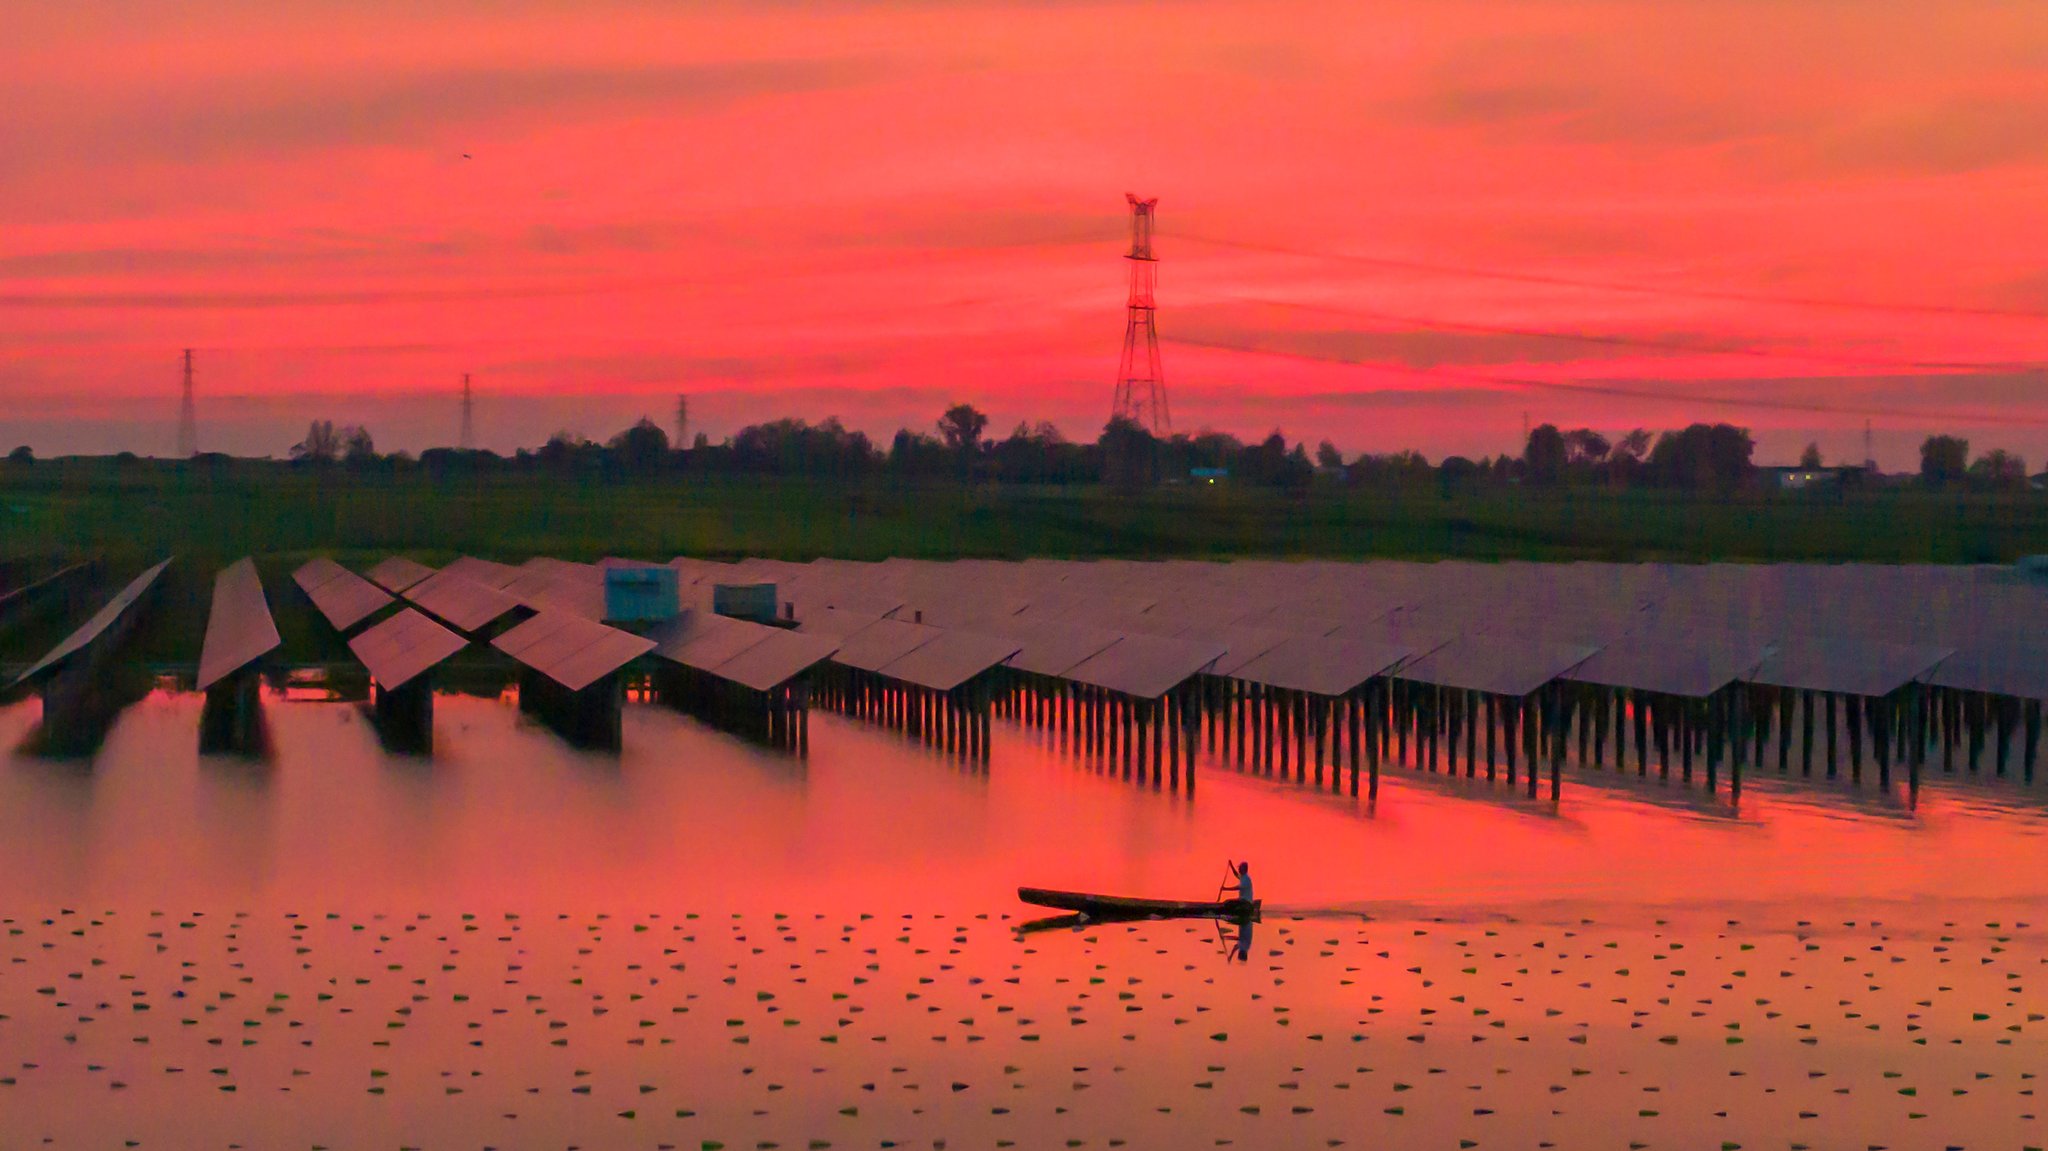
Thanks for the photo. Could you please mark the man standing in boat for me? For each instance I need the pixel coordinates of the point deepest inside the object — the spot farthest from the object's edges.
(1242, 872)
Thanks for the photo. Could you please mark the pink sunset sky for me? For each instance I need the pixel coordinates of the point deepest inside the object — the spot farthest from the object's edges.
(1828, 211)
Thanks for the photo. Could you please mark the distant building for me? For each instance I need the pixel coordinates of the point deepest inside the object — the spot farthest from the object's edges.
(1802, 479)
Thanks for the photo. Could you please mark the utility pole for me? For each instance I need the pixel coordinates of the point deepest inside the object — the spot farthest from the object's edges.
(467, 441)
(682, 421)
(188, 416)
(1869, 452)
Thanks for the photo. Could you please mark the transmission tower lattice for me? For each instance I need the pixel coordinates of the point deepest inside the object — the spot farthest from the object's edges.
(1140, 384)
(188, 416)
(467, 442)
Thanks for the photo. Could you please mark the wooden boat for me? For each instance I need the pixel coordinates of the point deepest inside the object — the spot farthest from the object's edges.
(1124, 907)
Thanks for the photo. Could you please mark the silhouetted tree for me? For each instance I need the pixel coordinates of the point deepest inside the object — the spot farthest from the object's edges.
(961, 427)
(1943, 460)
(358, 450)
(641, 449)
(1810, 458)
(21, 456)
(1585, 448)
(1130, 454)
(1999, 470)
(1544, 456)
(1457, 473)
(1327, 456)
(564, 451)
(322, 444)
(919, 456)
(1038, 454)
(1703, 456)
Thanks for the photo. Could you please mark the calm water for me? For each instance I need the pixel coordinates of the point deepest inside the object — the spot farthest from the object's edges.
(698, 942)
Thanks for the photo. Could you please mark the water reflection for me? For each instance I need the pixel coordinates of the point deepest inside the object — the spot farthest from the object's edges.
(504, 811)
(701, 941)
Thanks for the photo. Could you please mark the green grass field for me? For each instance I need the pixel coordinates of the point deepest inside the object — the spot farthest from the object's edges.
(77, 511)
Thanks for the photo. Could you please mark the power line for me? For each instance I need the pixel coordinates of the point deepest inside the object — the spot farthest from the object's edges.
(1623, 390)
(1717, 294)
(1656, 343)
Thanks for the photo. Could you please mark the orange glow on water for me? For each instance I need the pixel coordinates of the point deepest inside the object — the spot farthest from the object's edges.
(702, 940)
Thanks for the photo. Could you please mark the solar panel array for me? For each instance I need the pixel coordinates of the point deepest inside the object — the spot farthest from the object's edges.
(1507, 627)
(344, 597)
(397, 573)
(752, 654)
(400, 648)
(91, 630)
(571, 650)
(239, 630)
(457, 598)
(1312, 626)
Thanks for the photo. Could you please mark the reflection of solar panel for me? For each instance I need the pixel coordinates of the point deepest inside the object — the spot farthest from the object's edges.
(397, 573)
(403, 646)
(91, 629)
(460, 601)
(344, 597)
(1146, 666)
(883, 642)
(951, 659)
(573, 651)
(239, 630)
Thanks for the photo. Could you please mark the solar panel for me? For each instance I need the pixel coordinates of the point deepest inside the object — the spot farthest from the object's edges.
(489, 573)
(344, 597)
(462, 602)
(883, 642)
(400, 648)
(545, 588)
(1241, 645)
(101, 620)
(573, 651)
(2016, 667)
(315, 572)
(1847, 665)
(1146, 666)
(239, 630)
(397, 573)
(951, 659)
(1495, 665)
(703, 639)
(1321, 665)
(1695, 664)
(1051, 647)
(833, 621)
(777, 659)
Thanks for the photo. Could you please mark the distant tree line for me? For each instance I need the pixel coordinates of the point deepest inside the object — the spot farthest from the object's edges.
(1716, 458)
(1711, 458)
